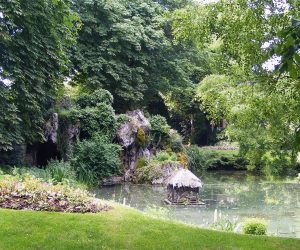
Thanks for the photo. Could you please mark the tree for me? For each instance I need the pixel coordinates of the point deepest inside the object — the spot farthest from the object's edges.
(118, 47)
(34, 37)
(258, 96)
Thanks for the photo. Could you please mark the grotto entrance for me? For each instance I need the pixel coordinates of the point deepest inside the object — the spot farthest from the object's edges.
(39, 154)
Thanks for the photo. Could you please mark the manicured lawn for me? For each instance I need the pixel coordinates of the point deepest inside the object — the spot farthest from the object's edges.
(120, 228)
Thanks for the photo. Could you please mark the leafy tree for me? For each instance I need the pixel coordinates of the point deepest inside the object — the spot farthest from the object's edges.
(127, 48)
(173, 4)
(180, 98)
(118, 47)
(259, 103)
(33, 42)
(259, 121)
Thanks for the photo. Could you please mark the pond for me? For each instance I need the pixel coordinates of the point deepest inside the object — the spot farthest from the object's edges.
(232, 196)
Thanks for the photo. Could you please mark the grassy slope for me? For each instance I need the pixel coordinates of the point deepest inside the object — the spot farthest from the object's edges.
(119, 228)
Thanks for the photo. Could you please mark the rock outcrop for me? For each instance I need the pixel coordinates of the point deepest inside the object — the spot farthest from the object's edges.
(51, 128)
(128, 130)
(127, 136)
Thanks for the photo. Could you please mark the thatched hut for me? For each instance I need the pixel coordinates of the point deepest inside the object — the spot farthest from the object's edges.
(183, 188)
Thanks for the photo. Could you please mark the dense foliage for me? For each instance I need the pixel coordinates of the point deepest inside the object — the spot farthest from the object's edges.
(33, 43)
(192, 66)
(200, 160)
(96, 114)
(256, 91)
(95, 159)
(255, 226)
(118, 46)
(56, 172)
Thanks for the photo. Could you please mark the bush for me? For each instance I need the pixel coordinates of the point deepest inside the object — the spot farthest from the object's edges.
(201, 160)
(147, 172)
(95, 159)
(164, 156)
(97, 119)
(33, 171)
(92, 100)
(159, 124)
(28, 192)
(175, 141)
(255, 226)
(122, 118)
(140, 137)
(141, 162)
(60, 171)
(159, 129)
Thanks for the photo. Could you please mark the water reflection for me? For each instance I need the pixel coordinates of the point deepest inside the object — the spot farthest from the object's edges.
(234, 196)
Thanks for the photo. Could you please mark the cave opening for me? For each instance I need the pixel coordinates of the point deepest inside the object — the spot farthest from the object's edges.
(42, 153)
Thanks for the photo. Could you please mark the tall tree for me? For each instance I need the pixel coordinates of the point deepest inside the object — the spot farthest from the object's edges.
(34, 36)
(118, 47)
(259, 97)
(126, 47)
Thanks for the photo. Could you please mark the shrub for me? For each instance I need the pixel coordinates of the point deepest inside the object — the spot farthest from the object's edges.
(153, 170)
(97, 119)
(60, 171)
(159, 124)
(255, 226)
(92, 100)
(33, 171)
(159, 129)
(175, 141)
(164, 156)
(201, 160)
(122, 118)
(95, 159)
(28, 192)
(141, 162)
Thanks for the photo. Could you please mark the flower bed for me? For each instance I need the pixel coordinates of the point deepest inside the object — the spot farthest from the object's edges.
(30, 193)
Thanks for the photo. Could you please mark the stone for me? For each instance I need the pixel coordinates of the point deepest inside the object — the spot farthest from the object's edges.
(127, 132)
(113, 180)
(51, 128)
(127, 138)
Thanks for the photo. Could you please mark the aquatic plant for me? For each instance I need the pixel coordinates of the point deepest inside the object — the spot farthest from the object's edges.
(224, 225)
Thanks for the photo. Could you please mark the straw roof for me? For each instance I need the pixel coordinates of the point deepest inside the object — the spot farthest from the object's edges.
(184, 178)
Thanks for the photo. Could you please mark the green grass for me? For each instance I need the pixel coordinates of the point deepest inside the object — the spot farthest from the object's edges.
(120, 228)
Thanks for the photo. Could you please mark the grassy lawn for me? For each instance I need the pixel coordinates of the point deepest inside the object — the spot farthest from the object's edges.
(120, 228)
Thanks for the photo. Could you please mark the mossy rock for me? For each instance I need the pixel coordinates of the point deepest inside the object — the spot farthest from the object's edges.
(141, 162)
(141, 137)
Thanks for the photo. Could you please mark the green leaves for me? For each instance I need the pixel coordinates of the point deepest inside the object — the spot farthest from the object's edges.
(34, 39)
(117, 46)
(260, 105)
(95, 159)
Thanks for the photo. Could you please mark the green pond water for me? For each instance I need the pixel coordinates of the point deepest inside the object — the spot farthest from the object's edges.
(229, 196)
